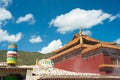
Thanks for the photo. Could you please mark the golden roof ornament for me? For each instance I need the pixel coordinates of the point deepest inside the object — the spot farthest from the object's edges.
(12, 45)
(81, 39)
(80, 30)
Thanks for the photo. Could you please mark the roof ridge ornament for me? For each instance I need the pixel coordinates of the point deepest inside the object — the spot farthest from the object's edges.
(80, 31)
(81, 38)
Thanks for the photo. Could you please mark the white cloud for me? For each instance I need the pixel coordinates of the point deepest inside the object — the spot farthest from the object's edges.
(5, 36)
(4, 13)
(27, 18)
(117, 41)
(5, 3)
(87, 32)
(35, 39)
(4, 16)
(53, 45)
(112, 18)
(80, 18)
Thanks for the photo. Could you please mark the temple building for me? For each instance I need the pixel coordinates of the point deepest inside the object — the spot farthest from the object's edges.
(85, 54)
(44, 69)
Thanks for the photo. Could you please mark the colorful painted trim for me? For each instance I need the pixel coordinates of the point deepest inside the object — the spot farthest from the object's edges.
(11, 58)
(12, 49)
(12, 55)
(11, 52)
(11, 62)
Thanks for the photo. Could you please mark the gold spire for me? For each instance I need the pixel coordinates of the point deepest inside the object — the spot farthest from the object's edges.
(80, 30)
(81, 39)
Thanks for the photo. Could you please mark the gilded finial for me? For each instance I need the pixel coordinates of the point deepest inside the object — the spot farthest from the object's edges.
(80, 30)
(81, 39)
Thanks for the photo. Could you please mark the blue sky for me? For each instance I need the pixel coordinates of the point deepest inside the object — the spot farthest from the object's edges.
(46, 25)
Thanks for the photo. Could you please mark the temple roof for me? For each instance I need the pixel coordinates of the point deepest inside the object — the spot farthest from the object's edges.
(69, 50)
(85, 40)
(82, 41)
(98, 46)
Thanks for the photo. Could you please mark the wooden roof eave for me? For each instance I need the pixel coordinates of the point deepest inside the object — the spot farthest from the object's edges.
(67, 45)
(111, 46)
(69, 50)
(90, 39)
(111, 43)
(76, 39)
(108, 66)
(65, 52)
(91, 48)
(86, 37)
(98, 46)
(97, 41)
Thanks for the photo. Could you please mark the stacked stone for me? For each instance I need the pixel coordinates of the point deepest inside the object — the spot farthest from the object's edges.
(12, 54)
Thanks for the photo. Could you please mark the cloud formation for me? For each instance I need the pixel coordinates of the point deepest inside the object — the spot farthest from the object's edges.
(87, 32)
(5, 36)
(4, 16)
(5, 3)
(27, 18)
(35, 39)
(53, 45)
(80, 18)
(117, 41)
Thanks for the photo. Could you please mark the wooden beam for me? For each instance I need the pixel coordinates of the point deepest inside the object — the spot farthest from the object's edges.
(109, 66)
(98, 46)
(69, 50)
